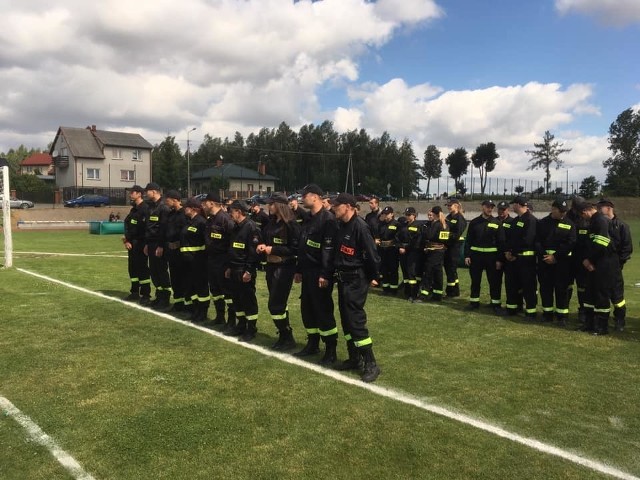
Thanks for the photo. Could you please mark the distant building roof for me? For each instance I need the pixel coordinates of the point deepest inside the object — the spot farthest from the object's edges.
(37, 159)
(89, 142)
(229, 171)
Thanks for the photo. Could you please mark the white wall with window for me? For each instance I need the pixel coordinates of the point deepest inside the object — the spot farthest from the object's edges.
(93, 174)
(116, 153)
(128, 175)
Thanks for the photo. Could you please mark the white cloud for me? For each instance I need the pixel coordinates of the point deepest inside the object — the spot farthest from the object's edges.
(611, 12)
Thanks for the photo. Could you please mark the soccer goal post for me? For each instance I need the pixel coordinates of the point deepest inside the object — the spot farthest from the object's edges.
(6, 215)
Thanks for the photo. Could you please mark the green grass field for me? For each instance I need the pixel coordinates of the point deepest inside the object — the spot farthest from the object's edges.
(131, 395)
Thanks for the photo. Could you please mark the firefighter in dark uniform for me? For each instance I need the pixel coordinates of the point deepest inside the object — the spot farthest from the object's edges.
(154, 239)
(387, 242)
(520, 251)
(280, 245)
(301, 215)
(217, 240)
(258, 215)
(579, 253)
(315, 270)
(133, 239)
(435, 234)
(504, 219)
(241, 270)
(556, 238)
(176, 220)
(410, 239)
(357, 266)
(481, 254)
(456, 226)
(621, 236)
(602, 264)
(194, 257)
(372, 218)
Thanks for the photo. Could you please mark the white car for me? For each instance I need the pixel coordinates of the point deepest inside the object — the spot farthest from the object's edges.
(17, 203)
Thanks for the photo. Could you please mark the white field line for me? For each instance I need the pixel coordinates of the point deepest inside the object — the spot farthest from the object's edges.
(396, 395)
(37, 435)
(72, 254)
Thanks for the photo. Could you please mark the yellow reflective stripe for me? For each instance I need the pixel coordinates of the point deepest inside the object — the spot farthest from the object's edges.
(278, 241)
(313, 244)
(228, 301)
(550, 252)
(424, 292)
(601, 240)
(145, 282)
(474, 300)
(519, 224)
(566, 226)
(347, 337)
(453, 221)
(412, 282)
(252, 317)
(582, 232)
(602, 310)
(192, 229)
(133, 221)
(484, 249)
(333, 331)
(238, 245)
(134, 279)
(392, 227)
(527, 253)
(620, 304)
(192, 249)
(562, 310)
(313, 331)
(506, 225)
(217, 297)
(444, 235)
(154, 218)
(493, 225)
(413, 229)
(279, 317)
(363, 343)
(438, 292)
(216, 235)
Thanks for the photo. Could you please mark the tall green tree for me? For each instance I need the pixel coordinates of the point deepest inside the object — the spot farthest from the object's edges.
(432, 165)
(589, 187)
(484, 159)
(458, 163)
(623, 176)
(169, 168)
(546, 155)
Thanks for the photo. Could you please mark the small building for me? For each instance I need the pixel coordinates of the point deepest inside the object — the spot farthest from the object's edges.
(40, 164)
(242, 182)
(91, 159)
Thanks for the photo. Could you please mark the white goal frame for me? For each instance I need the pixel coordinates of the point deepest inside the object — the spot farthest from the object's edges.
(6, 218)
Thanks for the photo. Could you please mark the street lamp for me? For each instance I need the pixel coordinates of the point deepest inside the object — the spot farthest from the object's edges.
(189, 165)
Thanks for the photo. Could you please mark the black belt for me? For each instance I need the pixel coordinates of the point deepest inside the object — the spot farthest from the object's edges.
(343, 275)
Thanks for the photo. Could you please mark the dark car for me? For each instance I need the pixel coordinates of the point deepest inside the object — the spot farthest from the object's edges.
(388, 198)
(88, 201)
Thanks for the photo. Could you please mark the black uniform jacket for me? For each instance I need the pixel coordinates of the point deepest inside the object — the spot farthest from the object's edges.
(315, 249)
(355, 248)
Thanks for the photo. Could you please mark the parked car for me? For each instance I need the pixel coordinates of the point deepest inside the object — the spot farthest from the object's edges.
(89, 200)
(257, 198)
(425, 196)
(388, 198)
(17, 203)
(361, 197)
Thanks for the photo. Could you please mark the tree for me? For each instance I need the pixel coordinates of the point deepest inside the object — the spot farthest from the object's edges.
(169, 168)
(458, 162)
(589, 187)
(519, 189)
(484, 159)
(623, 177)
(432, 164)
(545, 155)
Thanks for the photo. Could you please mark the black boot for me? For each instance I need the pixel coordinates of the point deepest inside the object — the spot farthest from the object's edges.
(197, 314)
(354, 362)
(547, 317)
(589, 321)
(285, 336)
(330, 357)
(619, 315)
(311, 348)
(601, 324)
(231, 320)
(250, 331)
(371, 369)
(238, 329)
(219, 306)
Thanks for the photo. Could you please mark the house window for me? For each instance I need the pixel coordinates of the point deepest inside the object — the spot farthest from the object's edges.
(116, 154)
(136, 155)
(64, 152)
(93, 174)
(128, 175)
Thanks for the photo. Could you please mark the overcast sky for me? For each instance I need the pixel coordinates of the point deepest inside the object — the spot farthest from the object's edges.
(454, 73)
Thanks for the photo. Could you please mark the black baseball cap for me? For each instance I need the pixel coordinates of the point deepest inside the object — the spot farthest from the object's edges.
(437, 210)
(239, 205)
(171, 194)
(312, 188)
(520, 200)
(152, 186)
(137, 188)
(452, 201)
(560, 204)
(488, 203)
(503, 205)
(410, 211)
(192, 203)
(605, 202)
(386, 210)
(276, 198)
(344, 199)
(212, 197)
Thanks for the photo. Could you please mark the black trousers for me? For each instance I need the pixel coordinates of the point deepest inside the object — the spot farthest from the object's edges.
(244, 295)
(316, 305)
(138, 266)
(484, 262)
(603, 285)
(279, 281)
(554, 283)
(410, 266)
(451, 258)
(526, 273)
(352, 295)
(178, 271)
(196, 285)
(432, 277)
(218, 285)
(390, 260)
(513, 286)
(159, 270)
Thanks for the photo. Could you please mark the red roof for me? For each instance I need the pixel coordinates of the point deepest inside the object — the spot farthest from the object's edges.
(37, 159)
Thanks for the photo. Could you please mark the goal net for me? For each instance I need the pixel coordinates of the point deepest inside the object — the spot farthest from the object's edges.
(6, 255)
